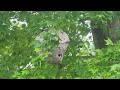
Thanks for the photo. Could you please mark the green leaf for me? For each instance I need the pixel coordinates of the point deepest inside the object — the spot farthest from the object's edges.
(109, 42)
(25, 72)
(115, 67)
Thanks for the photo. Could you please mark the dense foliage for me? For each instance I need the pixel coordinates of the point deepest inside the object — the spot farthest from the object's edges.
(19, 50)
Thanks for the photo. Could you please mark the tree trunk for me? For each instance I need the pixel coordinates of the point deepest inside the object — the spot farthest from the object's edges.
(99, 38)
(114, 31)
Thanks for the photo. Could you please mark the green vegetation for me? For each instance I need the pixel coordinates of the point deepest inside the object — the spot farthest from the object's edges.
(19, 56)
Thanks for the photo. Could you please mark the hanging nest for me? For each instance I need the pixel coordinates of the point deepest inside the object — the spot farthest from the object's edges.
(58, 53)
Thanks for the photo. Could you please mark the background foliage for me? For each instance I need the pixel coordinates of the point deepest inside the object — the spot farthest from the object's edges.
(18, 48)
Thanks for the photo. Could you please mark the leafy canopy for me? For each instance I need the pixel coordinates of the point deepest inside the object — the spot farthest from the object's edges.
(18, 48)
